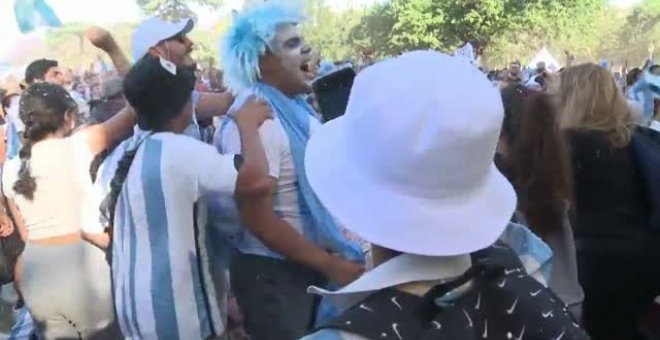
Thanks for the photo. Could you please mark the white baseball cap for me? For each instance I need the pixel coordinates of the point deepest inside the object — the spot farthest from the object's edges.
(154, 30)
(409, 167)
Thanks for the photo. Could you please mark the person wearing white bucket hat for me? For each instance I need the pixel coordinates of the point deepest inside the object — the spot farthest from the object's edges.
(413, 174)
(417, 193)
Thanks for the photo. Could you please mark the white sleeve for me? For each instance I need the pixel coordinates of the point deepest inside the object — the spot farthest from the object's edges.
(10, 176)
(83, 154)
(215, 172)
(273, 140)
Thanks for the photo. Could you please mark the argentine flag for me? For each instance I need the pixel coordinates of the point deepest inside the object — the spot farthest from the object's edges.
(32, 14)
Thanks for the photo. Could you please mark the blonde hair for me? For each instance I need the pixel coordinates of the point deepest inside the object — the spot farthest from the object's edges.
(590, 100)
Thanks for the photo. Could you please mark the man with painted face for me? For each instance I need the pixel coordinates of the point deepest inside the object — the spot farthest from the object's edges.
(292, 242)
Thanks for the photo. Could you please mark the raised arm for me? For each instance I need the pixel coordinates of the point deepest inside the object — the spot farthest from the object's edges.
(214, 104)
(100, 136)
(103, 40)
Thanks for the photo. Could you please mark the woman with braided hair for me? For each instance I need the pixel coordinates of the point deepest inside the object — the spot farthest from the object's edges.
(66, 281)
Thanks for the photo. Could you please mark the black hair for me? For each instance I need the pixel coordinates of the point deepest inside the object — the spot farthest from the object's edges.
(158, 97)
(6, 100)
(633, 76)
(38, 69)
(43, 110)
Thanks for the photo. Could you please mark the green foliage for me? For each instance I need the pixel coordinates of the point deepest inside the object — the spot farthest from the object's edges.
(502, 30)
(68, 45)
(173, 9)
(328, 32)
(59, 35)
(398, 25)
(639, 37)
(401, 25)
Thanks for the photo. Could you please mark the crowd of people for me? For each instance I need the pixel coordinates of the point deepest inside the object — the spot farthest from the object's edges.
(446, 203)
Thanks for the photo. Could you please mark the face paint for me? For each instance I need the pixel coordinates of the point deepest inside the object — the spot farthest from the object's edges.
(294, 56)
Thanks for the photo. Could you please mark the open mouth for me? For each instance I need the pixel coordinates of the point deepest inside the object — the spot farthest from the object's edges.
(307, 73)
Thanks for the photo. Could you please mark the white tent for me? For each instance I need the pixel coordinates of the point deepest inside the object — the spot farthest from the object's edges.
(544, 55)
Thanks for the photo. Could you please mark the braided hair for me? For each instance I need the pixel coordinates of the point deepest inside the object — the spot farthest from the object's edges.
(158, 97)
(43, 110)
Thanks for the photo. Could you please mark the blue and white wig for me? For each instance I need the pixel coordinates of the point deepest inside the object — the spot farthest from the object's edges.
(249, 37)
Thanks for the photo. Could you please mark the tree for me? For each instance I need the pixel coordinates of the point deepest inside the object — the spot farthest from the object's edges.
(640, 34)
(400, 25)
(392, 27)
(173, 9)
(58, 35)
(328, 31)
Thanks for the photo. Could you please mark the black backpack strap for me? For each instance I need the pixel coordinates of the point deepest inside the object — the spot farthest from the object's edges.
(499, 257)
(388, 314)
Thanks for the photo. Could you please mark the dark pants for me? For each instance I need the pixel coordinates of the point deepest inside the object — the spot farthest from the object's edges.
(272, 295)
(620, 284)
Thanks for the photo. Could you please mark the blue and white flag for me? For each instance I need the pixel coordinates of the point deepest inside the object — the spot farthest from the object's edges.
(33, 14)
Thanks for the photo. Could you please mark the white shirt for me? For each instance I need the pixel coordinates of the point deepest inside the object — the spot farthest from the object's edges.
(281, 167)
(61, 171)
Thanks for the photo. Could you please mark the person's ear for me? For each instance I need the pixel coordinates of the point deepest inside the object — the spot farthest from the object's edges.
(156, 51)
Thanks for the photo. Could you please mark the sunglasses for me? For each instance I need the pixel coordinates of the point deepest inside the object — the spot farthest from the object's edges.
(181, 37)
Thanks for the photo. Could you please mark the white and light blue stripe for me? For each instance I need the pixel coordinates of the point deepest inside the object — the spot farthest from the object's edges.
(163, 289)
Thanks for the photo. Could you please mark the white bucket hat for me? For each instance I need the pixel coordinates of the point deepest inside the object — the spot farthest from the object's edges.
(409, 167)
(154, 30)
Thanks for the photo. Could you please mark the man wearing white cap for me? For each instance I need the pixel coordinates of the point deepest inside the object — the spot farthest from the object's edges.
(153, 38)
(423, 189)
(169, 40)
(158, 38)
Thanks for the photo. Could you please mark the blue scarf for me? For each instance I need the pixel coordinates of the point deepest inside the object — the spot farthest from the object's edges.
(295, 115)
